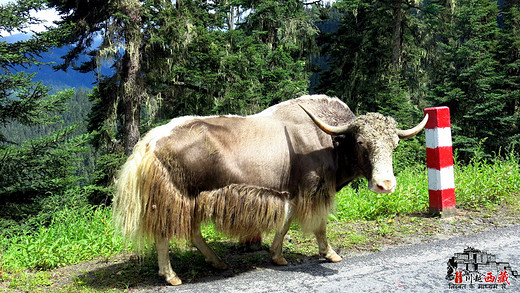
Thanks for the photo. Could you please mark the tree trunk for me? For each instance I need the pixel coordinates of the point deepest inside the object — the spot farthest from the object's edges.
(131, 90)
(397, 38)
(132, 93)
(231, 18)
(132, 123)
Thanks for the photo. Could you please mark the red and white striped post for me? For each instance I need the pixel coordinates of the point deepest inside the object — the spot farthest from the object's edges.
(439, 160)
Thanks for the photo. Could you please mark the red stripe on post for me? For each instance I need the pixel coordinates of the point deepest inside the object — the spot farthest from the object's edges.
(439, 117)
(439, 157)
(442, 199)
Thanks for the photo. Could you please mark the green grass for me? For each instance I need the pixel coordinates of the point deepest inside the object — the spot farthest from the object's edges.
(73, 236)
(71, 231)
(488, 183)
(482, 183)
(68, 230)
(356, 202)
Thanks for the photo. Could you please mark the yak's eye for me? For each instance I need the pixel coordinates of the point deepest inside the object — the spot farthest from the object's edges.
(361, 142)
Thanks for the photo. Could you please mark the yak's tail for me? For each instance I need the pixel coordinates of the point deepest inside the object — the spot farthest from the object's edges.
(147, 204)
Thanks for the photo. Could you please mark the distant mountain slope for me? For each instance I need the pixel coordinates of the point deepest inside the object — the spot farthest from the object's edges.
(79, 105)
(58, 80)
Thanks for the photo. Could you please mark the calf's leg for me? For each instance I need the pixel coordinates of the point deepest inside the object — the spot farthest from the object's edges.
(323, 245)
(163, 256)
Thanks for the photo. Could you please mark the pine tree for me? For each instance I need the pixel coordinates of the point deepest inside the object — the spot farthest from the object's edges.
(38, 166)
(370, 57)
(260, 61)
(468, 77)
(120, 22)
(21, 99)
(509, 58)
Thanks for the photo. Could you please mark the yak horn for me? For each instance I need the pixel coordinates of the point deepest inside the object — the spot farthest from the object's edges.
(407, 133)
(329, 129)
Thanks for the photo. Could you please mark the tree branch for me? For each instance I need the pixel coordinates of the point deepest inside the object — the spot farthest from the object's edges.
(312, 2)
(190, 86)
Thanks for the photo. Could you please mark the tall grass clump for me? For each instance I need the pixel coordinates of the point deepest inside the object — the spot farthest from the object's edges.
(67, 230)
(356, 202)
(488, 182)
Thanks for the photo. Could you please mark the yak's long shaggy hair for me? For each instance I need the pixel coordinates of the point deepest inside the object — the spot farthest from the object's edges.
(147, 204)
(242, 210)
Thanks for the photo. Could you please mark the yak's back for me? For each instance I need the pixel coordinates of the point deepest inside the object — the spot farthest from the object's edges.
(331, 110)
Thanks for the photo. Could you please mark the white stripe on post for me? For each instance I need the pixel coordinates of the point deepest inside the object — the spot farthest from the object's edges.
(441, 179)
(438, 137)
(439, 158)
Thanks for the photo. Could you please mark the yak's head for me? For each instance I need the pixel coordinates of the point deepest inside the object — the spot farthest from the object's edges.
(375, 137)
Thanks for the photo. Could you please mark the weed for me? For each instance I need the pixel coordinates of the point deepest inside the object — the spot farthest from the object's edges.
(410, 196)
(356, 238)
(74, 233)
(488, 184)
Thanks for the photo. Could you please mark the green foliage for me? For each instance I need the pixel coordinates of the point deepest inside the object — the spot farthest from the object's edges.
(411, 196)
(473, 73)
(107, 165)
(410, 152)
(470, 78)
(198, 69)
(487, 183)
(37, 166)
(66, 231)
(21, 99)
(509, 121)
(40, 166)
(371, 59)
(28, 102)
(74, 109)
(400, 59)
(195, 58)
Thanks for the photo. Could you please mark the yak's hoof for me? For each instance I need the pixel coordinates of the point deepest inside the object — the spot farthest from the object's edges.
(174, 281)
(280, 261)
(334, 257)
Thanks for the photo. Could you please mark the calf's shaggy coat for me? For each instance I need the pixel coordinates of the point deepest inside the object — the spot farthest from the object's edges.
(251, 174)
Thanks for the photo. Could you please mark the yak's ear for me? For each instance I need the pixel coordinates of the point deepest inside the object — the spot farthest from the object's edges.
(407, 133)
(329, 129)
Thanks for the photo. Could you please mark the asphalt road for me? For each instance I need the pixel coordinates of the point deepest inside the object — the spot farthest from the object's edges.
(408, 268)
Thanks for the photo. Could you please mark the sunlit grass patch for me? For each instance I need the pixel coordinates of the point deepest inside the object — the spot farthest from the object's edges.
(358, 203)
(75, 232)
(488, 183)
